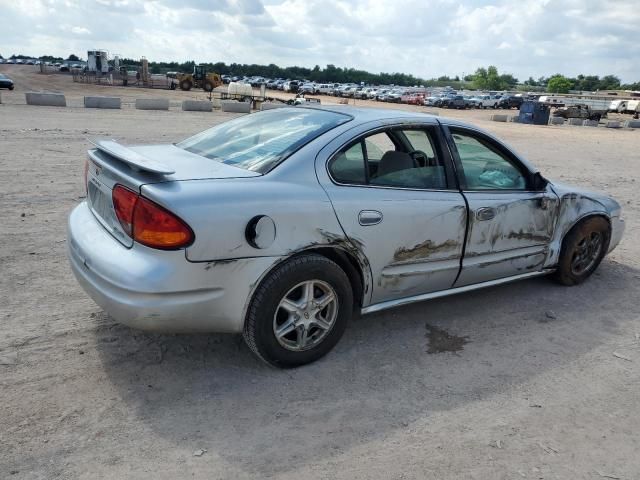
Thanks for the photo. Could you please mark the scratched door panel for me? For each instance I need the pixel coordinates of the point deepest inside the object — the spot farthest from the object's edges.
(514, 241)
(417, 246)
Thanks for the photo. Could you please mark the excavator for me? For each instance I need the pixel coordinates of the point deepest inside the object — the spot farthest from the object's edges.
(200, 78)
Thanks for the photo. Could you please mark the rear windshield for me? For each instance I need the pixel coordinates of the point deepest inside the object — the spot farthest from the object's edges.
(259, 141)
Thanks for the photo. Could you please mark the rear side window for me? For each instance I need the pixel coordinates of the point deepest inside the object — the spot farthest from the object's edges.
(400, 158)
(258, 142)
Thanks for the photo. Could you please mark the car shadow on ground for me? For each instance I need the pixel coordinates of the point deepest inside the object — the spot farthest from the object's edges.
(209, 391)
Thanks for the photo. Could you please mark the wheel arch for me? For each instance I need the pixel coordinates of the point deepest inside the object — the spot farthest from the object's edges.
(582, 219)
(349, 264)
(346, 260)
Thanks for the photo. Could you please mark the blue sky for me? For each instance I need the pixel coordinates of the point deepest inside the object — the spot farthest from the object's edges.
(427, 38)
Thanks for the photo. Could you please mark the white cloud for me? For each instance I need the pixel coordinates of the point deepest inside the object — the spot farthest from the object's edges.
(438, 37)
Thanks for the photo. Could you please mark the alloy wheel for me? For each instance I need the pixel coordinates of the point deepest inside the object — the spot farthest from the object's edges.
(305, 315)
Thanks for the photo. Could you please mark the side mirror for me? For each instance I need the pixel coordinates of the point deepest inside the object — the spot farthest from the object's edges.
(539, 182)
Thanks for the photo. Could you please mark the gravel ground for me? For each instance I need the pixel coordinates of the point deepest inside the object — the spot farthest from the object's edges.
(529, 380)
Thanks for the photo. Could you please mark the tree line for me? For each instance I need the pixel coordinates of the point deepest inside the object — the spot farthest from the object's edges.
(488, 78)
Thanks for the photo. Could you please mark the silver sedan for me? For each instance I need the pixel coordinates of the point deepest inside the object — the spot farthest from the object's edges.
(281, 224)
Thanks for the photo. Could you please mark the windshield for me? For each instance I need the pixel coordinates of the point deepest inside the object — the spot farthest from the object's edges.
(259, 141)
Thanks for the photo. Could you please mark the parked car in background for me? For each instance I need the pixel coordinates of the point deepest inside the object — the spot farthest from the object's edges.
(291, 86)
(436, 197)
(455, 101)
(382, 93)
(510, 101)
(6, 82)
(307, 88)
(412, 98)
(394, 96)
(486, 101)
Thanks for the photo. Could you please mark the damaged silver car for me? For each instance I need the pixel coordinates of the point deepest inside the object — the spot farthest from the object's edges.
(281, 224)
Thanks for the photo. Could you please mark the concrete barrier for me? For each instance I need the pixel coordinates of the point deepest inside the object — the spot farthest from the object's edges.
(590, 123)
(196, 106)
(152, 103)
(499, 118)
(613, 124)
(577, 122)
(556, 121)
(632, 124)
(46, 99)
(271, 106)
(101, 102)
(235, 107)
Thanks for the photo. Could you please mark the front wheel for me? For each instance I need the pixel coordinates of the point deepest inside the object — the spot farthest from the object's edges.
(583, 249)
(299, 311)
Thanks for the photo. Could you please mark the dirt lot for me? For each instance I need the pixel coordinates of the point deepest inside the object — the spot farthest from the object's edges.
(547, 385)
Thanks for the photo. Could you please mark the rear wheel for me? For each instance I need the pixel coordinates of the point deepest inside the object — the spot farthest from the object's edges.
(583, 249)
(186, 85)
(299, 311)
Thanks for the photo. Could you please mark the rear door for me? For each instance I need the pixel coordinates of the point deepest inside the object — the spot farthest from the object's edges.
(394, 193)
(510, 222)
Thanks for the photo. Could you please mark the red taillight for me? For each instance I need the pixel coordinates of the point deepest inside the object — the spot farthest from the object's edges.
(156, 227)
(124, 202)
(149, 223)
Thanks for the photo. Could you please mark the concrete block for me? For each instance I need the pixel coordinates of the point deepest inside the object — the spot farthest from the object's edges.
(102, 102)
(613, 124)
(556, 121)
(235, 107)
(590, 123)
(152, 103)
(500, 118)
(196, 106)
(46, 99)
(577, 122)
(632, 124)
(514, 119)
(271, 106)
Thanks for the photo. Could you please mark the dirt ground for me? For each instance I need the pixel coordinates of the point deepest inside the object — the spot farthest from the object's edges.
(528, 380)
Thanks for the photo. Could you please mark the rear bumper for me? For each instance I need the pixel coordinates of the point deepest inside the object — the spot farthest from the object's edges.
(159, 290)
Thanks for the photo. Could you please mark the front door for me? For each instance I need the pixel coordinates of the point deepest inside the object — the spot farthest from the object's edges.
(393, 194)
(510, 224)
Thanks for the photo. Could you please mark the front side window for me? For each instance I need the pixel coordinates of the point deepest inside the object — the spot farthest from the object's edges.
(401, 158)
(260, 141)
(485, 167)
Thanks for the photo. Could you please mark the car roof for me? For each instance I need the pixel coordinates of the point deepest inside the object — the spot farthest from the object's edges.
(367, 114)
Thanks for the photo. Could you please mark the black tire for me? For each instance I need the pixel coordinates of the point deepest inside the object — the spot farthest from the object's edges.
(186, 85)
(11, 87)
(259, 324)
(573, 245)
(208, 86)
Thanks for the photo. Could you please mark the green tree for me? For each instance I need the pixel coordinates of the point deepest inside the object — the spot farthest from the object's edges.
(490, 79)
(559, 84)
(73, 58)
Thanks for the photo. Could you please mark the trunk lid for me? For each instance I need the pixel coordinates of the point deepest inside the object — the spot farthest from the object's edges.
(110, 164)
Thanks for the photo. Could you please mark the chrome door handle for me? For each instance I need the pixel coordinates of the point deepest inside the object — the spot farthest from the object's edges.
(486, 213)
(369, 217)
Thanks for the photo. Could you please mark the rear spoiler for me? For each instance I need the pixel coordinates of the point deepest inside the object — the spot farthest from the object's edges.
(134, 159)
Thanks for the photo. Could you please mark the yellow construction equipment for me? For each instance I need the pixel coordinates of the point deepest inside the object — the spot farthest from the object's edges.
(200, 78)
